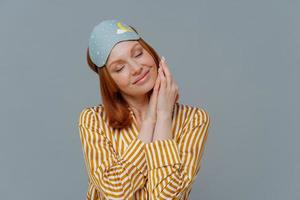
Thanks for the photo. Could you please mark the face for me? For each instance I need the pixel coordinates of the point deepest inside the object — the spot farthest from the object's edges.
(129, 62)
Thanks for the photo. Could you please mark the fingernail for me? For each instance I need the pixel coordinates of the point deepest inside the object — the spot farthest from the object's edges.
(163, 58)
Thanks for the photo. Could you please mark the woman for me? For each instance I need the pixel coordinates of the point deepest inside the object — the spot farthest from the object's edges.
(140, 143)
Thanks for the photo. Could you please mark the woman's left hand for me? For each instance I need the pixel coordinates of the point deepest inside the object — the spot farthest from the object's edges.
(168, 92)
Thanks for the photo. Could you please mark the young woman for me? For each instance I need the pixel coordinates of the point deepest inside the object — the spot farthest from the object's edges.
(140, 143)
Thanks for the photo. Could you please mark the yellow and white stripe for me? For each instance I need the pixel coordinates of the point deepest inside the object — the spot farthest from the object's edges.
(120, 166)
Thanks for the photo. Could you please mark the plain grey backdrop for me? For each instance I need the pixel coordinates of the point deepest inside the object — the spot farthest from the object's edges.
(237, 59)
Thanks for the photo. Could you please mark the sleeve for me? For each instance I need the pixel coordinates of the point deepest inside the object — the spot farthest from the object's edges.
(116, 177)
(172, 167)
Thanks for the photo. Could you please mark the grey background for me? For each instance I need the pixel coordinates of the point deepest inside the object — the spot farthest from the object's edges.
(237, 59)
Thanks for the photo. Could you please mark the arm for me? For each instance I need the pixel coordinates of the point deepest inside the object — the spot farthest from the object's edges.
(117, 177)
(173, 167)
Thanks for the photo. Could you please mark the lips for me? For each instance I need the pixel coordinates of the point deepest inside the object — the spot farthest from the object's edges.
(139, 78)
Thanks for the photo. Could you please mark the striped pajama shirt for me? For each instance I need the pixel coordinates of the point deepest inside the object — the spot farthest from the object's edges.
(121, 166)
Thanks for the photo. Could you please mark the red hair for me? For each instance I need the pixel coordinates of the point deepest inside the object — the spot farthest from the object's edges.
(114, 104)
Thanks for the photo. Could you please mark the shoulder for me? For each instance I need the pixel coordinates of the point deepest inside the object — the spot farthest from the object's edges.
(197, 114)
(90, 114)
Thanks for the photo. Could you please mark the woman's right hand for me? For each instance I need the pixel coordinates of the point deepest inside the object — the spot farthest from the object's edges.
(151, 110)
(148, 124)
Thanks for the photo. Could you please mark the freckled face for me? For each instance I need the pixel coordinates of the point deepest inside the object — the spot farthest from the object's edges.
(127, 62)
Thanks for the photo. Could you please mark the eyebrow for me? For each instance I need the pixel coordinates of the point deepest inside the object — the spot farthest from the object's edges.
(118, 59)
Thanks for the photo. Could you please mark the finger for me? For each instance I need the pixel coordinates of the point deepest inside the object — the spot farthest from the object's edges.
(161, 66)
(156, 86)
(168, 76)
(157, 83)
(153, 98)
(167, 71)
(162, 79)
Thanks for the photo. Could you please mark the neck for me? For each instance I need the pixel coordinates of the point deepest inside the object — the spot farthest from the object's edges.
(139, 105)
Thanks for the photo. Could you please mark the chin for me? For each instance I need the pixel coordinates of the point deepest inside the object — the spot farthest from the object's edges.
(143, 89)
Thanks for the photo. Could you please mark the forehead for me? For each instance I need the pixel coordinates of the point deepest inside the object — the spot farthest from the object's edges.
(121, 49)
(124, 45)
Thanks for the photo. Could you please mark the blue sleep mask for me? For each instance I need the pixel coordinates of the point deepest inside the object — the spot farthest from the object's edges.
(105, 36)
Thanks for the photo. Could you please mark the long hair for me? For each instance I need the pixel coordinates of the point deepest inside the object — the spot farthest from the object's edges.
(114, 104)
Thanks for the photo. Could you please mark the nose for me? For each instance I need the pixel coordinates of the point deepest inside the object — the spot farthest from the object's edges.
(136, 68)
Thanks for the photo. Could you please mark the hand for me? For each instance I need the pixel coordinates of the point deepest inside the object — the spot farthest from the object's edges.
(148, 124)
(168, 92)
(152, 107)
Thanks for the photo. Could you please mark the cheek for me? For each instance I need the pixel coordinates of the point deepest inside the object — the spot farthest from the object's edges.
(122, 80)
(154, 73)
(147, 59)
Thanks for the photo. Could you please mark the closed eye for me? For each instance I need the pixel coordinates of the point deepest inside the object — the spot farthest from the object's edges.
(139, 54)
(120, 69)
(123, 65)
